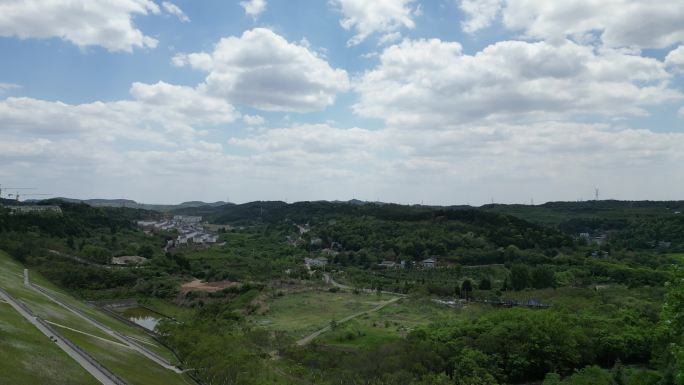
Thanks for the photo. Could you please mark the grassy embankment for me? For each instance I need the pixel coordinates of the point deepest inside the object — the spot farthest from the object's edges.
(125, 362)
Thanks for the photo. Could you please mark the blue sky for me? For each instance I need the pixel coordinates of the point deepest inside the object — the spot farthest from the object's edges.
(445, 102)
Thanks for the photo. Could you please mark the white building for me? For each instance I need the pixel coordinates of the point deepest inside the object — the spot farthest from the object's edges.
(187, 219)
(316, 262)
(38, 209)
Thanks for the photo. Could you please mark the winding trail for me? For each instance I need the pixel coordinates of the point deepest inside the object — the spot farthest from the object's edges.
(96, 372)
(317, 333)
(328, 279)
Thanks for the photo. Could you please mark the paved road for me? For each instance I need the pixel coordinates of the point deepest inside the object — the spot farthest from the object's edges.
(315, 334)
(94, 371)
(130, 343)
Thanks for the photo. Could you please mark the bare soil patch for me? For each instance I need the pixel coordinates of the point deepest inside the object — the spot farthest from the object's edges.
(209, 287)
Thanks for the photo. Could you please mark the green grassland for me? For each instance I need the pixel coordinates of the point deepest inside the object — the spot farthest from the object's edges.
(12, 281)
(299, 314)
(393, 321)
(106, 320)
(27, 356)
(126, 362)
(11, 272)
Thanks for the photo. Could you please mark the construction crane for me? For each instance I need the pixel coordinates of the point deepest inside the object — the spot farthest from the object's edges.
(16, 196)
(15, 188)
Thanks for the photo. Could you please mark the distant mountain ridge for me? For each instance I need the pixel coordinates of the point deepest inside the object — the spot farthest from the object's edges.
(97, 202)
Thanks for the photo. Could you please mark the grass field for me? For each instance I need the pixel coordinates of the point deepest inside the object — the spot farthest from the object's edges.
(127, 363)
(394, 321)
(300, 314)
(27, 356)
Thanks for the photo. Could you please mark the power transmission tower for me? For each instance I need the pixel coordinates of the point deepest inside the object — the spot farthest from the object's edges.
(596, 193)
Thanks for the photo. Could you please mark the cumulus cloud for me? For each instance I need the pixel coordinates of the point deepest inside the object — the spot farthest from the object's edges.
(176, 11)
(254, 8)
(8, 86)
(479, 13)
(675, 59)
(158, 113)
(617, 23)
(384, 17)
(253, 120)
(82, 22)
(432, 83)
(549, 159)
(263, 70)
(314, 138)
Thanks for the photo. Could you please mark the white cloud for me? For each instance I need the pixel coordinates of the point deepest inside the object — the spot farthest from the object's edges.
(159, 113)
(480, 13)
(314, 139)
(8, 86)
(254, 8)
(547, 160)
(263, 70)
(618, 23)
(386, 17)
(675, 59)
(681, 112)
(176, 11)
(389, 38)
(82, 22)
(431, 83)
(253, 120)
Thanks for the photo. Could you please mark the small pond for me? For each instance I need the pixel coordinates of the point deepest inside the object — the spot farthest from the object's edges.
(142, 316)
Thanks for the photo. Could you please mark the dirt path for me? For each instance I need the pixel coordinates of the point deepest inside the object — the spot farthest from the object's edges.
(315, 334)
(90, 368)
(328, 279)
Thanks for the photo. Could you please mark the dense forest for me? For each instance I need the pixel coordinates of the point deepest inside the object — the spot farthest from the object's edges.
(607, 273)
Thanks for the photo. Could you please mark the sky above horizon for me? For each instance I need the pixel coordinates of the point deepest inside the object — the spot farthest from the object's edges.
(407, 101)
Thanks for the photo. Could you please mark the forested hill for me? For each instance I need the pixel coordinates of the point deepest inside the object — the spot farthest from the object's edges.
(76, 219)
(395, 231)
(556, 213)
(550, 214)
(629, 224)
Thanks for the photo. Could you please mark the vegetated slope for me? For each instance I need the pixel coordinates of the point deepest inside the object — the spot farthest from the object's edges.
(125, 362)
(629, 224)
(410, 231)
(555, 213)
(76, 219)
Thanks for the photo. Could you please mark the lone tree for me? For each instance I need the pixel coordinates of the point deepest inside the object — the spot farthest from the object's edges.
(520, 277)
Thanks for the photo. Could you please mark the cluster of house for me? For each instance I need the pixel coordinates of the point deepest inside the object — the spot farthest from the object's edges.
(297, 240)
(597, 239)
(36, 209)
(190, 230)
(428, 263)
(316, 262)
